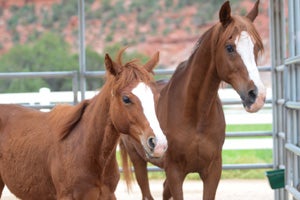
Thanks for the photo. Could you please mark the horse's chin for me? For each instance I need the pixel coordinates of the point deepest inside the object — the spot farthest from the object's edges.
(150, 154)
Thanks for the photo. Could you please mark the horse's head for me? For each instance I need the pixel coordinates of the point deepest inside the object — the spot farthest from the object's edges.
(133, 103)
(237, 47)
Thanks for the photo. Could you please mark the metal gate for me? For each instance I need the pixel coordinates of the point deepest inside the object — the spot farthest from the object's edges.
(285, 35)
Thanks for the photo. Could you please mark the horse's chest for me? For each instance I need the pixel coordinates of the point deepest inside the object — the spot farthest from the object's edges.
(194, 152)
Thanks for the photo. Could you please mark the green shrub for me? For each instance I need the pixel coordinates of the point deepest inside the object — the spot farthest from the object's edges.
(12, 22)
(49, 53)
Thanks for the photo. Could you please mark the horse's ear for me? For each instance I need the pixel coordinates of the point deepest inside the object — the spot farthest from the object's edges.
(225, 14)
(254, 12)
(111, 66)
(152, 62)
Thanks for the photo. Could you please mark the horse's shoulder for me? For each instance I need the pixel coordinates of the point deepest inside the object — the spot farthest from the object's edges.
(64, 117)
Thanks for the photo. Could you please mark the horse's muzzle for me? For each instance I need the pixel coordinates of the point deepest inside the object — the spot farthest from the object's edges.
(254, 100)
(157, 148)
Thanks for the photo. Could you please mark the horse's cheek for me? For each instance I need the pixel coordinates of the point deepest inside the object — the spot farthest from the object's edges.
(120, 121)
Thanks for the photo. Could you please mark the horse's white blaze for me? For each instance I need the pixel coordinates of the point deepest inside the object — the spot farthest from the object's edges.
(145, 95)
(245, 47)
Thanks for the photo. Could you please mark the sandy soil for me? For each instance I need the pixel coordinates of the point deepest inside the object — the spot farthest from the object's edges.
(227, 190)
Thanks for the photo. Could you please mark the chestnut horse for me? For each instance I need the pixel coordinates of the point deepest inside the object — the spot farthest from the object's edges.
(190, 111)
(69, 152)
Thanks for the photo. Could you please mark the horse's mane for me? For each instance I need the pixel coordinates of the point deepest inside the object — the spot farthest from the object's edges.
(238, 24)
(63, 118)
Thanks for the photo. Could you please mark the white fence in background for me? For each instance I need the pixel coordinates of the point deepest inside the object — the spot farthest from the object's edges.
(44, 97)
(234, 114)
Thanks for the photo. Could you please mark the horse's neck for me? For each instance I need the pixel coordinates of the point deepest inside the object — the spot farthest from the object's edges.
(102, 136)
(110, 141)
(200, 83)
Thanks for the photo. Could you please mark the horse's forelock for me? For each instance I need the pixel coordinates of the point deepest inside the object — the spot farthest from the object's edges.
(132, 72)
(240, 24)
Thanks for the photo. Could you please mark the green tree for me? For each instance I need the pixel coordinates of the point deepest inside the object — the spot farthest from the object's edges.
(94, 62)
(49, 53)
(52, 53)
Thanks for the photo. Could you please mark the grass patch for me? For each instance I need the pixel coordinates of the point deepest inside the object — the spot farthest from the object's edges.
(248, 127)
(245, 157)
(244, 174)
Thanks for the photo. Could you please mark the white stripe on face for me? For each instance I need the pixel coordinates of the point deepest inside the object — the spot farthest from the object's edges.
(144, 93)
(245, 47)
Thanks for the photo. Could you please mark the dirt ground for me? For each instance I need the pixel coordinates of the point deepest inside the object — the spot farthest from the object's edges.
(227, 190)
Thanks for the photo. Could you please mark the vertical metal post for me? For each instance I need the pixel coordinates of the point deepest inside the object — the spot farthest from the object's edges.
(291, 169)
(277, 30)
(82, 56)
(75, 87)
(297, 26)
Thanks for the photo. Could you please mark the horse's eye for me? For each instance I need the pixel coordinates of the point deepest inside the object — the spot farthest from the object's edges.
(229, 48)
(126, 100)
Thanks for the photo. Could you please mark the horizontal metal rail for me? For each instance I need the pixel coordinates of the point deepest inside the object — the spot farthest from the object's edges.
(292, 60)
(249, 134)
(246, 166)
(292, 105)
(293, 191)
(60, 74)
(164, 71)
(161, 71)
(94, 74)
(235, 101)
(293, 148)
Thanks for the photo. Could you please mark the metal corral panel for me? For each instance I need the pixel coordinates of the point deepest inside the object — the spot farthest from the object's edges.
(285, 34)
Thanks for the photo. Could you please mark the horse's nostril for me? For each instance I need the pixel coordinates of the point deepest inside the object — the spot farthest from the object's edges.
(252, 94)
(151, 142)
